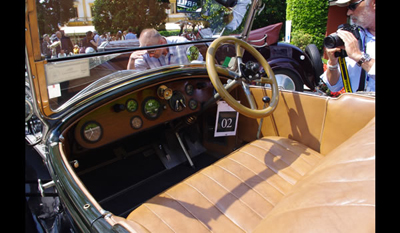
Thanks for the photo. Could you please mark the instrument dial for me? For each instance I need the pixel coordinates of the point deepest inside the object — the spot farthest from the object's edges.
(151, 108)
(136, 122)
(131, 105)
(164, 92)
(189, 89)
(92, 131)
(177, 101)
(193, 104)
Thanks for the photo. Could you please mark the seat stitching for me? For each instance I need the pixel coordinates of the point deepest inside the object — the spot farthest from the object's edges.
(319, 156)
(272, 169)
(159, 217)
(230, 219)
(281, 158)
(321, 134)
(239, 199)
(312, 152)
(281, 191)
(201, 222)
(244, 182)
(345, 181)
(325, 205)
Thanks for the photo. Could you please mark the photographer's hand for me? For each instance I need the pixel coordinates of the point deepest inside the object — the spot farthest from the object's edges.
(332, 74)
(353, 50)
(350, 45)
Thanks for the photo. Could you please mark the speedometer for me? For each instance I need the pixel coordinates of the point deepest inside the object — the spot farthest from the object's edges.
(151, 108)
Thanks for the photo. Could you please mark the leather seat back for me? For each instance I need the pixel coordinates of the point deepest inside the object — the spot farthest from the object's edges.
(338, 195)
(345, 116)
(322, 123)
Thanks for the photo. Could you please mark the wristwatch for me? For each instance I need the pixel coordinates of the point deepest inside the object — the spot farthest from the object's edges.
(365, 58)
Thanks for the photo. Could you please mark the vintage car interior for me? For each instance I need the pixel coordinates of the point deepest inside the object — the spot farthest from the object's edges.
(309, 169)
(149, 157)
(209, 146)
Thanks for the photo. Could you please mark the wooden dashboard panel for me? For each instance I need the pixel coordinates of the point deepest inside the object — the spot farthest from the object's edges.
(116, 124)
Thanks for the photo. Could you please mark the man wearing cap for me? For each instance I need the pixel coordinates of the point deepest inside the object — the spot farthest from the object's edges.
(360, 62)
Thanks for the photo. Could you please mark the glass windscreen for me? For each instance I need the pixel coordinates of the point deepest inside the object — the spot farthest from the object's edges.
(87, 41)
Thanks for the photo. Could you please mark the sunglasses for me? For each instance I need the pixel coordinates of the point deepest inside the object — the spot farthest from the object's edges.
(353, 6)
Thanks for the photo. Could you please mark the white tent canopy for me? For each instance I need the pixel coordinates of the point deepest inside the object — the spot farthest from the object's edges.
(77, 30)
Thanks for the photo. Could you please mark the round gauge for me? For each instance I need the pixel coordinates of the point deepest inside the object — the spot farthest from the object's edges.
(189, 89)
(164, 92)
(151, 108)
(131, 105)
(92, 131)
(177, 101)
(192, 104)
(136, 122)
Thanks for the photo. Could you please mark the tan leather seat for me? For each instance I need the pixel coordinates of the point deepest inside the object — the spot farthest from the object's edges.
(273, 184)
(338, 195)
(234, 194)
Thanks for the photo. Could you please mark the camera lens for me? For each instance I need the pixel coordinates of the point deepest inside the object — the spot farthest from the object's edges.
(333, 41)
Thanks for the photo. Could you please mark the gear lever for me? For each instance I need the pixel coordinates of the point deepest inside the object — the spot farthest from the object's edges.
(266, 101)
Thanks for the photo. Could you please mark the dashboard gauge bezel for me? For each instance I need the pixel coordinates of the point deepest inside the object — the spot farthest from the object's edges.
(193, 101)
(126, 105)
(83, 131)
(149, 117)
(141, 122)
(189, 89)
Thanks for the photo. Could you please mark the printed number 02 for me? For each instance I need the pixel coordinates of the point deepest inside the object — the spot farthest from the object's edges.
(226, 123)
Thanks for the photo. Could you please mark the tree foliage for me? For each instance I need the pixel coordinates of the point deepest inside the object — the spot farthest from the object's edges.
(273, 12)
(309, 18)
(52, 13)
(118, 15)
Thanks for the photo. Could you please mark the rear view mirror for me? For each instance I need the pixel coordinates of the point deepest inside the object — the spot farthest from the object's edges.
(194, 6)
(227, 3)
(188, 6)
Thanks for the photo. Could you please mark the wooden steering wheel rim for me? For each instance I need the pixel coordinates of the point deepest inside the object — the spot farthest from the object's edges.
(213, 75)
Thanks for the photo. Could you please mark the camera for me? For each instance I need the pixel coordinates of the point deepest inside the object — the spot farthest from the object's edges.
(333, 40)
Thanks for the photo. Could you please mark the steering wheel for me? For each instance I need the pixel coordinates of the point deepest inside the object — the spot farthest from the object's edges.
(243, 75)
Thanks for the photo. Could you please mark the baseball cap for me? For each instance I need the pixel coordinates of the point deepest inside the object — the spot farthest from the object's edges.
(339, 2)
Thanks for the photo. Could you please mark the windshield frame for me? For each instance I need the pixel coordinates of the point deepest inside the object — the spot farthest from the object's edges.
(38, 63)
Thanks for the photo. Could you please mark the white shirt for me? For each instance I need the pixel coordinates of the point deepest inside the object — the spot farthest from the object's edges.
(355, 71)
(175, 55)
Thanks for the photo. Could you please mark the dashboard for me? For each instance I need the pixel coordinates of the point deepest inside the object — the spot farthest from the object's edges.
(142, 109)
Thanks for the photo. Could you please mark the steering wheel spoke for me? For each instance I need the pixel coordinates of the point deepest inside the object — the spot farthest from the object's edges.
(248, 95)
(265, 80)
(239, 50)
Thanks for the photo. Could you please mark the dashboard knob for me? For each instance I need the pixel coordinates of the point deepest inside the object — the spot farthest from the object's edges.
(119, 107)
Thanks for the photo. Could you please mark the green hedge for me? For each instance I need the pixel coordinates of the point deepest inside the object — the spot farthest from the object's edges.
(309, 18)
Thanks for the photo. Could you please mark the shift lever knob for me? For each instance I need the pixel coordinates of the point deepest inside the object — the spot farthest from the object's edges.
(266, 99)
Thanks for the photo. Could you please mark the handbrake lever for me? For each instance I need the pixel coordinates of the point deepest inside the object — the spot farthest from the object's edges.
(266, 101)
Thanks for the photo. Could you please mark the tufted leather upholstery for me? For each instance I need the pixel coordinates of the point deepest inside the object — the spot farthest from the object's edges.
(273, 184)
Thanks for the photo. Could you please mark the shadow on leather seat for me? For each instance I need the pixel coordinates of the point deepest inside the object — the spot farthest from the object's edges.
(235, 194)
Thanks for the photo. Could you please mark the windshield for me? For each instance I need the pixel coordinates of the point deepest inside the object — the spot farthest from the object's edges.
(85, 41)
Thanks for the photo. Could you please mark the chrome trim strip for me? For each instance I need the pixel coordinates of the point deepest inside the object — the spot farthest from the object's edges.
(34, 100)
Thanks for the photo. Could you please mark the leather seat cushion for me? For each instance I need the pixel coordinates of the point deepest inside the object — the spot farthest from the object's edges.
(338, 195)
(234, 194)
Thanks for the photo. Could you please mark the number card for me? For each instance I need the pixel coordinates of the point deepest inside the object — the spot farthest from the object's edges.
(227, 119)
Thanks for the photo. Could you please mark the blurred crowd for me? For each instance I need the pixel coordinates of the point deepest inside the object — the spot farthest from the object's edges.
(59, 45)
